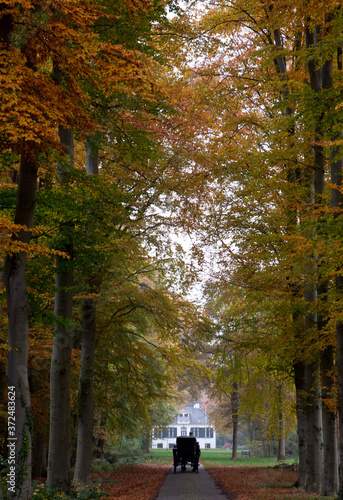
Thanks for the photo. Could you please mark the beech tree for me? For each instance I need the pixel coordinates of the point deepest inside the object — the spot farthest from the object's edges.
(86, 403)
(60, 438)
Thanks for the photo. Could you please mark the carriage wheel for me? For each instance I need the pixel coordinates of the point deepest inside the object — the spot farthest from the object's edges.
(197, 456)
(175, 459)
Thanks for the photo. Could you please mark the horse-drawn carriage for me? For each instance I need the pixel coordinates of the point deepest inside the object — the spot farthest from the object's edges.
(186, 451)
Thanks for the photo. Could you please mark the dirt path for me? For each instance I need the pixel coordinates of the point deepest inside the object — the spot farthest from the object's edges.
(189, 485)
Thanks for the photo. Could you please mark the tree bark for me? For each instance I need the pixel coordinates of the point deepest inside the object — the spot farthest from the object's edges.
(282, 439)
(40, 431)
(59, 443)
(330, 479)
(39, 455)
(18, 306)
(88, 344)
(339, 334)
(321, 80)
(299, 379)
(293, 176)
(92, 158)
(314, 468)
(314, 430)
(86, 407)
(18, 333)
(234, 409)
(337, 205)
(60, 434)
(146, 441)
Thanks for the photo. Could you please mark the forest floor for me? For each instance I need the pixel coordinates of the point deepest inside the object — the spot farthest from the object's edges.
(259, 483)
(132, 482)
(142, 482)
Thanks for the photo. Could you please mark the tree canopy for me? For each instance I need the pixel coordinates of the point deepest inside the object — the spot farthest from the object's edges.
(129, 126)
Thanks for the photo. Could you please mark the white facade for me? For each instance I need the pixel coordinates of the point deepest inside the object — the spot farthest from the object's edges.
(188, 419)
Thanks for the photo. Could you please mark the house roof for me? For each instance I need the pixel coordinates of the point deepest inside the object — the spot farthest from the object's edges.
(197, 415)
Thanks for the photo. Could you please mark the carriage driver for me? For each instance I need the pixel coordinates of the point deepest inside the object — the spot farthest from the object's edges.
(197, 447)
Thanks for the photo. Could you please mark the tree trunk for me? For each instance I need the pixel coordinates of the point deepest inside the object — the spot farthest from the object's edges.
(3, 366)
(327, 364)
(314, 434)
(330, 480)
(40, 430)
(20, 433)
(282, 449)
(299, 379)
(39, 453)
(234, 406)
(314, 469)
(234, 437)
(3, 377)
(339, 333)
(146, 440)
(321, 79)
(282, 439)
(337, 204)
(18, 338)
(293, 176)
(59, 443)
(330, 456)
(314, 440)
(86, 406)
(92, 155)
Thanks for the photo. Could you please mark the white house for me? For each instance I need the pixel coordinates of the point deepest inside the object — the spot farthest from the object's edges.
(188, 419)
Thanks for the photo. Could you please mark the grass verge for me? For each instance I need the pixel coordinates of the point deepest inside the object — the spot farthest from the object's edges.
(222, 457)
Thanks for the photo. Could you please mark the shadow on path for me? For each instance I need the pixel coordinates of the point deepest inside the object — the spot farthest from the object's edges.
(189, 485)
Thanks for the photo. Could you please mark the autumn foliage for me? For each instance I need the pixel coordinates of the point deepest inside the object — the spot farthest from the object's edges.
(134, 482)
(258, 483)
(221, 121)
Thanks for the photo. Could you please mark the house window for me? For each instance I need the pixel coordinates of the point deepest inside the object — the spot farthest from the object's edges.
(209, 432)
(208, 445)
(183, 431)
(199, 432)
(159, 445)
(172, 432)
(183, 418)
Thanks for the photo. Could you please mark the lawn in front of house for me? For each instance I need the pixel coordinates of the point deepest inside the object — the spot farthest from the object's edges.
(224, 457)
(221, 457)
